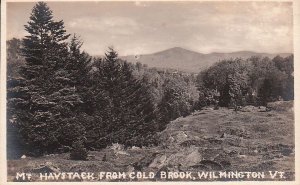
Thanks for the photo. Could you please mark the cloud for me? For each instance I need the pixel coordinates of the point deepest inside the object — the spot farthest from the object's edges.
(229, 27)
(113, 25)
(204, 27)
(146, 27)
(140, 4)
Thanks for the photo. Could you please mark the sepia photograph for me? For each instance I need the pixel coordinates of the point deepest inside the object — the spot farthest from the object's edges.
(149, 91)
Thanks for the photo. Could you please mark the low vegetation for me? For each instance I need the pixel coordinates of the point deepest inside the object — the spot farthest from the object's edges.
(79, 152)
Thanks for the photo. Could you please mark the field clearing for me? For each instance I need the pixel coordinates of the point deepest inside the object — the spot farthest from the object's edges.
(207, 140)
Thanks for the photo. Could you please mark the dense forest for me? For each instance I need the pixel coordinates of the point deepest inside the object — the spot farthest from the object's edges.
(59, 97)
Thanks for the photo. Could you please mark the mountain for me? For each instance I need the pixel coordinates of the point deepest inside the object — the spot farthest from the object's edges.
(190, 61)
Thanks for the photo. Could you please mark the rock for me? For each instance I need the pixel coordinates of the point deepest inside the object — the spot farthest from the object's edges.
(117, 153)
(212, 165)
(248, 108)
(214, 140)
(135, 148)
(91, 157)
(23, 157)
(225, 164)
(242, 156)
(145, 161)
(192, 158)
(224, 160)
(185, 158)
(48, 167)
(181, 136)
(159, 161)
(117, 147)
(50, 155)
(262, 109)
(129, 169)
(232, 131)
(199, 167)
(196, 143)
(65, 149)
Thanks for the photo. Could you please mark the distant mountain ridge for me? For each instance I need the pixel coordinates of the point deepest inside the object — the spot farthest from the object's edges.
(190, 61)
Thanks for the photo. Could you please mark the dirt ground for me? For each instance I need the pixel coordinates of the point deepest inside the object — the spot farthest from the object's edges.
(251, 140)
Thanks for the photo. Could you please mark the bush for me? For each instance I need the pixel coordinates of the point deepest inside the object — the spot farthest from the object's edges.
(79, 152)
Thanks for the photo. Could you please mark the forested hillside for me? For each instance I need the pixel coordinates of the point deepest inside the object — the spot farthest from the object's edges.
(190, 61)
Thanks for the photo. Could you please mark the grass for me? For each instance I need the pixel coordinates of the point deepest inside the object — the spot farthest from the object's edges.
(242, 141)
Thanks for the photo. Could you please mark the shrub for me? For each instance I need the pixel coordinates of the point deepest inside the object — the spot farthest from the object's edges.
(79, 152)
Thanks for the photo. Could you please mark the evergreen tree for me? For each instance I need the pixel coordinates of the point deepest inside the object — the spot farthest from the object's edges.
(79, 63)
(79, 68)
(45, 42)
(16, 104)
(125, 112)
(47, 120)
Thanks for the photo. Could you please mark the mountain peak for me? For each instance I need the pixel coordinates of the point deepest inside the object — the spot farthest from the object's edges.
(178, 50)
(190, 61)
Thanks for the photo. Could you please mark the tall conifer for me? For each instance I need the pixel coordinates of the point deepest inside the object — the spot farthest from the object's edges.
(47, 121)
(128, 113)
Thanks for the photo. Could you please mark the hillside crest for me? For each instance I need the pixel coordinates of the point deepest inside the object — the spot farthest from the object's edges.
(190, 61)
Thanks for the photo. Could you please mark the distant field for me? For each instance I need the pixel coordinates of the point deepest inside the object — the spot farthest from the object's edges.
(208, 140)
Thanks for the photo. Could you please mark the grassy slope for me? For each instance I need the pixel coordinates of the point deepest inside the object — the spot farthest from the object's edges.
(243, 141)
(250, 141)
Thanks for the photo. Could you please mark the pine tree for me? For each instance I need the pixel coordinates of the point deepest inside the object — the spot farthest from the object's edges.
(45, 41)
(79, 66)
(79, 63)
(47, 121)
(126, 114)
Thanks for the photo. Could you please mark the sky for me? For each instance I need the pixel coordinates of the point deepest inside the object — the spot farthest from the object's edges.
(143, 27)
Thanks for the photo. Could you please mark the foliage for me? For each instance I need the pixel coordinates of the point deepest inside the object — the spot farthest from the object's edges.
(14, 57)
(177, 99)
(253, 81)
(78, 152)
(123, 109)
(47, 99)
(170, 89)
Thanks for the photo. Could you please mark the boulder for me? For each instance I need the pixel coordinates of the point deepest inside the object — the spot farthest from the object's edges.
(186, 157)
(192, 158)
(248, 108)
(159, 161)
(48, 167)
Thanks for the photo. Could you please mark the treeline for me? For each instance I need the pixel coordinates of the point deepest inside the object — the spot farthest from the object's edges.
(254, 81)
(58, 96)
